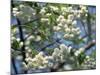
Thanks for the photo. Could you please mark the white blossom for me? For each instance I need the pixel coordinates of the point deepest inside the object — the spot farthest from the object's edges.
(29, 50)
(69, 49)
(70, 16)
(27, 55)
(38, 38)
(15, 9)
(56, 50)
(69, 9)
(45, 62)
(74, 22)
(67, 30)
(27, 42)
(71, 35)
(43, 11)
(28, 59)
(60, 24)
(21, 6)
(44, 19)
(83, 7)
(77, 53)
(41, 54)
(54, 8)
(48, 14)
(78, 32)
(63, 47)
(81, 50)
(79, 16)
(31, 37)
(18, 39)
(13, 38)
(69, 21)
(26, 48)
(66, 36)
(86, 15)
(56, 28)
(60, 18)
(87, 57)
(63, 9)
(21, 44)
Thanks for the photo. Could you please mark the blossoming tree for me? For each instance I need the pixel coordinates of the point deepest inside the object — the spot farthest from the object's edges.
(50, 37)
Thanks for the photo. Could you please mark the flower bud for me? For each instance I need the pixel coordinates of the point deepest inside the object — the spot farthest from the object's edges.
(41, 54)
(71, 35)
(66, 36)
(71, 17)
(27, 42)
(21, 44)
(31, 37)
(81, 50)
(18, 39)
(76, 53)
(38, 38)
(69, 49)
(60, 18)
(63, 47)
(15, 9)
(43, 11)
(74, 22)
(56, 28)
(67, 29)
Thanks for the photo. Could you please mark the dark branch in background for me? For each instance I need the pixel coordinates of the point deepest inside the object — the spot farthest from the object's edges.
(30, 21)
(90, 44)
(14, 66)
(21, 39)
(83, 25)
(58, 41)
(25, 24)
(89, 27)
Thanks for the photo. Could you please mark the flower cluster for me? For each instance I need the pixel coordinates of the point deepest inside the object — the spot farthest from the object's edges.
(24, 13)
(50, 23)
(43, 11)
(37, 62)
(61, 53)
(89, 63)
(31, 38)
(54, 8)
(41, 61)
(68, 26)
(80, 11)
(81, 50)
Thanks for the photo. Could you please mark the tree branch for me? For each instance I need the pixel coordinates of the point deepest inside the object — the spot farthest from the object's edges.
(22, 39)
(29, 21)
(14, 66)
(83, 25)
(90, 44)
(50, 44)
